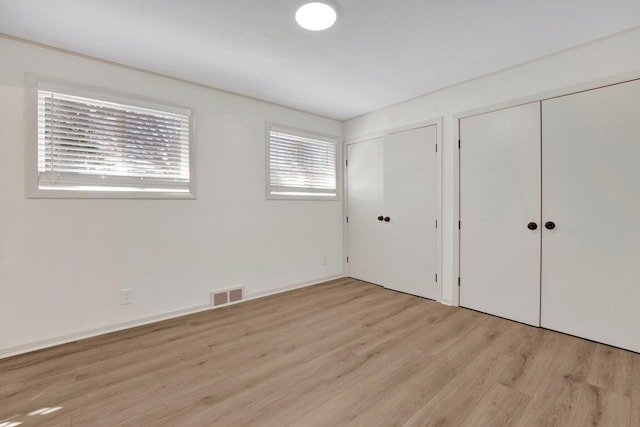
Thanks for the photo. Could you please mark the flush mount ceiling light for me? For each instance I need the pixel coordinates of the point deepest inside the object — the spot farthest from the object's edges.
(316, 16)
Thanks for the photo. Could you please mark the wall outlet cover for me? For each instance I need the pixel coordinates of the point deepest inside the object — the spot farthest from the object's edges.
(126, 296)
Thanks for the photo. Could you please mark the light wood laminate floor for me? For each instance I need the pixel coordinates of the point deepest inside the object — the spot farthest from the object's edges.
(339, 353)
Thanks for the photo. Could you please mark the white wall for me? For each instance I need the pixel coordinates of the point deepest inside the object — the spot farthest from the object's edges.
(610, 58)
(63, 262)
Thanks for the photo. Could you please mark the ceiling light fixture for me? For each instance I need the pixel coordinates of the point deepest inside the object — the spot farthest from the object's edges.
(316, 16)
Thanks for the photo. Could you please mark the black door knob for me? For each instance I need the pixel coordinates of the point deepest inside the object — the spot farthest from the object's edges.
(387, 219)
(380, 218)
(532, 226)
(549, 225)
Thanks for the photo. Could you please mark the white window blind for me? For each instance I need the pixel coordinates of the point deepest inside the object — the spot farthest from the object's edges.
(301, 165)
(95, 145)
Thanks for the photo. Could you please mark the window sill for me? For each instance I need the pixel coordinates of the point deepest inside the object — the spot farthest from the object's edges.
(75, 194)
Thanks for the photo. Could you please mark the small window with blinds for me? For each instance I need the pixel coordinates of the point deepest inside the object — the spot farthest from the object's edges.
(300, 165)
(94, 147)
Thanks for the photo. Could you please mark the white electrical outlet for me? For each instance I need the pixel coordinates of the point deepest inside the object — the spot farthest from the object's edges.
(126, 296)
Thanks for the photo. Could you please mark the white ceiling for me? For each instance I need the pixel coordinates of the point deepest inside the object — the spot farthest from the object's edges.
(378, 53)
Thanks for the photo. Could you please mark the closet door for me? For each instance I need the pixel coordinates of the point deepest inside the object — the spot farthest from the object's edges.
(591, 192)
(410, 196)
(365, 205)
(500, 213)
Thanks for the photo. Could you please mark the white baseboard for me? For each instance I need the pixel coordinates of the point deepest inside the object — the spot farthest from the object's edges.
(39, 345)
(291, 287)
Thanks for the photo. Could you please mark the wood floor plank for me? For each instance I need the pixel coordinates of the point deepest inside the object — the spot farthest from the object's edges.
(339, 353)
(501, 406)
(283, 399)
(554, 402)
(405, 323)
(454, 400)
(532, 355)
(385, 314)
(476, 338)
(406, 399)
(402, 343)
(229, 383)
(345, 406)
(598, 407)
(611, 369)
(635, 391)
(230, 372)
(192, 395)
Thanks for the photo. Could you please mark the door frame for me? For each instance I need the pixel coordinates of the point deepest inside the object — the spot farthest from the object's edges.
(437, 122)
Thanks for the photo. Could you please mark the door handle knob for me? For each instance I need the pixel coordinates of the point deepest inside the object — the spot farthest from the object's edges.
(380, 218)
(532, 226)
(387, 219)
(549, 225)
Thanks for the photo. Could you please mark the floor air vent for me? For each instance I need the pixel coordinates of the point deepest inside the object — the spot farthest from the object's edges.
(226, 296)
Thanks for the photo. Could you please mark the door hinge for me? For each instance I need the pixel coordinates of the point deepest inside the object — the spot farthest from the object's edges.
(436, 148)
(347, 220)
(347, 260)
(436, 223)
(458, 282)
(459, 225)
(346, 163)
(436, 278)
(458, 144)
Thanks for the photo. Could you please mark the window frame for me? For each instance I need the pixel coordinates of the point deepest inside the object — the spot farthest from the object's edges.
(34, 83)
(308, 134)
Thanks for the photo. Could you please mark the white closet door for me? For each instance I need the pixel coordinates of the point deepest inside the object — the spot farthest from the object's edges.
(591, 191)
(365, 193)
(499, 197)
(410, 196)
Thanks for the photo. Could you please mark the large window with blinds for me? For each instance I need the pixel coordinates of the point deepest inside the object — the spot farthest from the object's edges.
(94, 146)
(300, 165)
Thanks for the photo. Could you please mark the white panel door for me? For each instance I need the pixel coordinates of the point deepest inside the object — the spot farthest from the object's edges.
(499, 198)
(591, 191)
(410, 196)
(365, 204)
